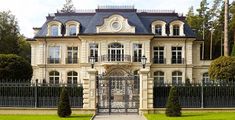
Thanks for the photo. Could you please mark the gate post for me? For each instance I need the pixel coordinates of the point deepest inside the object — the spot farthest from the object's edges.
(89, 92)
(146, 91)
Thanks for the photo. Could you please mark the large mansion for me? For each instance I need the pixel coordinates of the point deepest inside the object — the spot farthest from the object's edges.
(117, 39)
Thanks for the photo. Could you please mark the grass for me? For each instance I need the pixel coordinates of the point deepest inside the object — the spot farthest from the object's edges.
(44, 117)
(194, 116)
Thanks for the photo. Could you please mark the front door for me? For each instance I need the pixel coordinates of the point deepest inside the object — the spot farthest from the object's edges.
(118, 93)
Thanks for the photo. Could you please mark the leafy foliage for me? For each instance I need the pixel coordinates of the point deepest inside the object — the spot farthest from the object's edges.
(173, 108)
(68, 7)
(222, 68)
(64, 109)
(233, 51)
(13, 67)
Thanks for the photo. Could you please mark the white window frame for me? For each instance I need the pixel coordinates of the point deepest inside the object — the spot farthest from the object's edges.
(73, 77)
(53, 77)
(163, 27)
(177, 77)
(181, 27)
(137, 48)
(159, 77)
(157, 57)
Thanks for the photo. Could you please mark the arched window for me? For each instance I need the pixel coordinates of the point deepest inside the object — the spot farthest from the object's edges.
(72, 77)
(176, 30)
(54, 30)
(158, 77)
(206, 78)
(54, 77)
(115, 52)
(158, 30)
(72, 30)
(176, 77)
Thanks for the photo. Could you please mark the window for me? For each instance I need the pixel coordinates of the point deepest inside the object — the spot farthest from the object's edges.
(72, 77)
(94, 51)
(158, 53)
(176, 30)
(72, 30)
(54, 30)
(158, 77)
(54, 54)
(158, 30)
(72, 55)
(176, 77)
(137, 52)
(54, 77)
(115, 52)
(206, 78)
(136, 79)
(177, 55)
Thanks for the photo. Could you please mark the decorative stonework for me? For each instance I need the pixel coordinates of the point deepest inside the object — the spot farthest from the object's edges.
(115, 24)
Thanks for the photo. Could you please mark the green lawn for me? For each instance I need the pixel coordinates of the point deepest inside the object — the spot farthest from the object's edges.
(43, 117)
(194, 116)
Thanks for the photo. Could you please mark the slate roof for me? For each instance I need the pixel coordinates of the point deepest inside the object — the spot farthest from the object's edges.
(88, 21)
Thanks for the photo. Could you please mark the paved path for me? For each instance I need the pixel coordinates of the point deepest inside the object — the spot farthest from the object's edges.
(119, 117)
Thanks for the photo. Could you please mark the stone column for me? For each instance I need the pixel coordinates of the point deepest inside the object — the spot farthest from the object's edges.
(89, 92)
(146, 91)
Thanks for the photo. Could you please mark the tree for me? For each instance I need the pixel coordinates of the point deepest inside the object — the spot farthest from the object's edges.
(14, 67)
(24, 48)
(233, 51)
(64, 109)
(9, 32)
(68, 7)
(173, 108)
(222, 68)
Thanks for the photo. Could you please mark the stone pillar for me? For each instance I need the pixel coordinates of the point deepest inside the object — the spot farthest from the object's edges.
(146, 91)
(89, 92)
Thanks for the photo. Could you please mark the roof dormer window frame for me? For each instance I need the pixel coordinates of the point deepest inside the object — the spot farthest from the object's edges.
(181, 28)
(50, 27)
(163, 27)
(68, 24)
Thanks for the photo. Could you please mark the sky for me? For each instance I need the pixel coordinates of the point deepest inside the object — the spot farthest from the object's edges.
(32, 13)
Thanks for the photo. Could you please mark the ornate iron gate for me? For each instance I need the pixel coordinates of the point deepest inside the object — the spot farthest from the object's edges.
(118, 93)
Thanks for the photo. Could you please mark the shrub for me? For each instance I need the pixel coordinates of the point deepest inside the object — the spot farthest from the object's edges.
(222, 68)
(64, 109)
(173, 108)
(233, 51)
(13, 67)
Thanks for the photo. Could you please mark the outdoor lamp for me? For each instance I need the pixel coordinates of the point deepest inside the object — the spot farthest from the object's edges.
(143, 61)
(92, 60)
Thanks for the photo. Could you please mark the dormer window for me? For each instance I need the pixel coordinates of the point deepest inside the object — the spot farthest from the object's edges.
(158, 30)
(176, 30)
(54, 30)
(72, 30)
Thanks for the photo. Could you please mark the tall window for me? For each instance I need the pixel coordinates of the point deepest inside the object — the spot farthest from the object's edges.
(176, 30)
(115, 52)
(94, 51)
(72, 77)
(137, 52)
(54, 54)
(158, 53)
(72, 55)
(158, 30)
(176, 77)
(54, 77)
(72, 30)
(206, 78)
(54, 30)
(158, 77)
(136, 79)
(177, 55)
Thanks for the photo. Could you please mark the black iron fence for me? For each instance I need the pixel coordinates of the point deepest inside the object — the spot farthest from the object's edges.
(205, 95)
(38, 95)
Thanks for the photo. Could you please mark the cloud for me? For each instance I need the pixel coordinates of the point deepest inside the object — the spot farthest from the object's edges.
(31, 13)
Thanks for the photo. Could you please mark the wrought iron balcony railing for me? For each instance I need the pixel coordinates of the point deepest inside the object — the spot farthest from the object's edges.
(116, 58)
(53, 60)
(177, 60)
(71, 60)
(159, 60)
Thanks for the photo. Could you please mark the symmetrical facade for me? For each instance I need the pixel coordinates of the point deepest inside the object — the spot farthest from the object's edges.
(117, 37)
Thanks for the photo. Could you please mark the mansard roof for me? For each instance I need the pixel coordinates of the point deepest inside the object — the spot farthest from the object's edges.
(141, 19)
